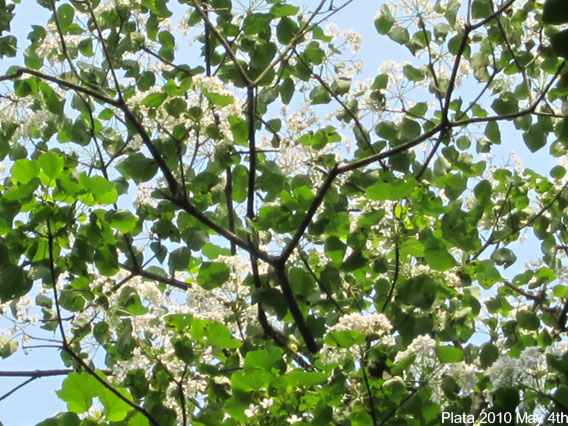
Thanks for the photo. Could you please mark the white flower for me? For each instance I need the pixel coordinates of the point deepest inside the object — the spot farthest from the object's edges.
(557, 349)
(374, 323)
(465, 374)
(422, 346)
(332, 355)
(251, 411)
(266, 403)
(505, 371)
(294, 419)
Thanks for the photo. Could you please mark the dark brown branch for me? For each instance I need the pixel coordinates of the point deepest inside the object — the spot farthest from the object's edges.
(224, 42)
(251, 113)
(431, 154)
(495, 14)
(358, 125)
(63, 83)
(321, 286)
(372, 410)
(295, 310)
(389, 153)
(20, 386)
(105, 51)
(54, 283)
(172, 282)
(530, 110)
(395, 277)
(165, 61)
(291, 45)
(308, 216)
(230, 208)
(111, 388)
(194, 211)
(36, 374)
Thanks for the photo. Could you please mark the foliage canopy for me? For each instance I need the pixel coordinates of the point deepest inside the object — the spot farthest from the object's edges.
(219, 223)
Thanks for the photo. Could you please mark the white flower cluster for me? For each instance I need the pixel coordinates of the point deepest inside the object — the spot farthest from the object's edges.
(375, 323)
(352, 38)
(427, 368)
(530, 369)
(332, 355)
(464, 374)
(504, 372)
(422, 346)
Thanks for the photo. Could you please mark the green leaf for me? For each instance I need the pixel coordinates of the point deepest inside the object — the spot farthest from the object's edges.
(448, 354)
(212, 251)
(244, 381)
(212, 275)
(13, 282)
(115, 409)
(283, 10)
(492, 132)
(183, 349)
(219, 335)
(419, 291)
(506, 104)
(341, 85)
(391, 188)
(78, 391)
(65, 14)
(218, 99)
(25, 170)
(381, 82)
(154, 100)
(286, 90)
(71, 300)
(555, 12)
(413, 74)
(488, 355)
(256, 22)
(138, 167)
(7, 347)
(335, 250)
(320, 95)
(239, 128)
(528, 320)
(504, 256)
(450, 387)
(106, 260)
(385, 21)
(130, 301)
(286, 30)
(534, 139)
(179, 259)
(437, 255)
(481, 9)
(52, 101)
(99, 190)
(344, 339)
(361, 418)
(296, 378)
(560, 43)
(8, 46)
(62, 419)
(52, 164)
(399, 35)
(264, 359)
(122, 220)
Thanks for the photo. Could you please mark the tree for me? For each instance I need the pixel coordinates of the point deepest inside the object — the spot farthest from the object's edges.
(252, 235)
